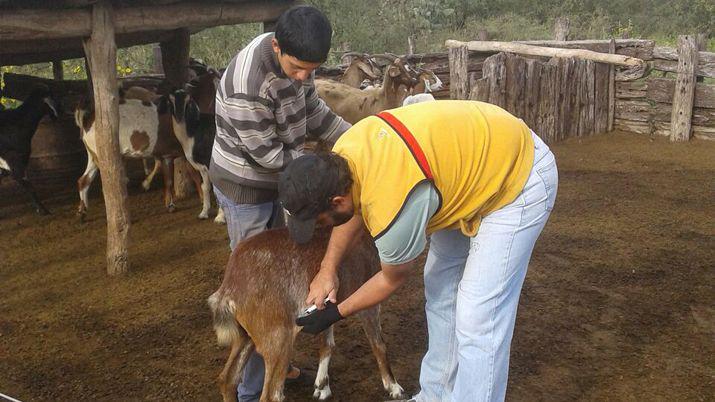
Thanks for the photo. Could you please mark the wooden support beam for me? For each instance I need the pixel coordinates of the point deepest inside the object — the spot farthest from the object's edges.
(57, 70)
(639, 48)
(101, 56)
(662, 89)
(547, 52)
(76, 23)
(458, 73)
(175, 57)
(684, 89)
(611, 87)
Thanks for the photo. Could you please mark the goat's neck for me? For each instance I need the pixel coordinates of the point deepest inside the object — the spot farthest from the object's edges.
(390, 92)
(32, 114)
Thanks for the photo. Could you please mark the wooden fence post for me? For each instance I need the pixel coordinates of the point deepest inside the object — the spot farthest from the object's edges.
(562, 28)
(684, 93)
(482, 35)
(611, 87)
(175, 57)
(101, 51)
(701, 41)
(57, 70)
(458, 78)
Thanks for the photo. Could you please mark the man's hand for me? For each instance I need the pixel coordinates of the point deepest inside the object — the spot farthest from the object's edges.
(324, 285)
(320, 320)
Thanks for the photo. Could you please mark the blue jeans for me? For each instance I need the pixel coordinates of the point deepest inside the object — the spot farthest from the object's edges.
(472, 288)
(242, 221)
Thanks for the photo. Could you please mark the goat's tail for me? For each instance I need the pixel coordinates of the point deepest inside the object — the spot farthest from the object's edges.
(224, 317)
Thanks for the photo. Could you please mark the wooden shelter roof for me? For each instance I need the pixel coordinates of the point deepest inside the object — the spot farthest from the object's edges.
(34, 31)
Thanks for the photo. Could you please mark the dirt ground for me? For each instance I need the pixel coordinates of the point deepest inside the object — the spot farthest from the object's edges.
(618, 304)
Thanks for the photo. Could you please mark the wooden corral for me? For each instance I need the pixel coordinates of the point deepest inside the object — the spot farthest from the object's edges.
(33, 32)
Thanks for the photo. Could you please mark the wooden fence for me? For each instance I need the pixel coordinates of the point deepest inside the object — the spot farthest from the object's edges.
(663, 96)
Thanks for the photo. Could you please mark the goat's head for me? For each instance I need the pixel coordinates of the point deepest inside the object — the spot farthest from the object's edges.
(42, 96)
(203, 90)
(182, 107)
(427, 82)
(400, 73)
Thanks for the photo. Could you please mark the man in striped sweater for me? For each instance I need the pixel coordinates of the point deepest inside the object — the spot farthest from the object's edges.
(266, 106)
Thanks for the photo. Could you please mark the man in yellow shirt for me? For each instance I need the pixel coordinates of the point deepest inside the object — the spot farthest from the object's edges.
(467, 173)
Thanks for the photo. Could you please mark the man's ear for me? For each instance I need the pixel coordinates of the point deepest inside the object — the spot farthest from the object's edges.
(275, 45)
(338, 201)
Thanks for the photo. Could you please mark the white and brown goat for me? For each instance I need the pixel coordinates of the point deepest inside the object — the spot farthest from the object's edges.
(263, 291)
(146, 130)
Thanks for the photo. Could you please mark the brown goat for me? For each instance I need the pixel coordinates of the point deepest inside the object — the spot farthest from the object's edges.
(353, 104)
(263, 291)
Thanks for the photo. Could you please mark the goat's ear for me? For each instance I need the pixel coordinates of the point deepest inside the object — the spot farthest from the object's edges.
(366, 69)
(393, 71)
(164, 106)
(192, 112)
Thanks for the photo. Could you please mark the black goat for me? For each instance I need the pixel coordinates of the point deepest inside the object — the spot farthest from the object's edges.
(17, 126)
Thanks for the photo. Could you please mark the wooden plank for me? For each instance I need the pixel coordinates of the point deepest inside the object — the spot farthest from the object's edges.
(661, 90)
(101, 55)
(516, 85)
(565, 112)
(495, 71)
(458, 79)
(639, 48)
(636, 110)
(586, 98)
(533, 92)
(575, 97)
(522, 49)
(704, 133)
(549, 103)
(631, 89)
(632, 73)
(480, 91)
(26, 24)
(684, 94)
(601, 98)
(611, 87)
(630, 126)
(666, 59)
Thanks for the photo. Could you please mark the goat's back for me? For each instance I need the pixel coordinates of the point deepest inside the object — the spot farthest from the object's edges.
(268, 275)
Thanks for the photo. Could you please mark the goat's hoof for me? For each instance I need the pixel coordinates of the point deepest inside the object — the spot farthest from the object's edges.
(395, 391)
(220, 220)
(322, 393)
(171, 208)
(146, 186)
(204, 215)
(81, 215)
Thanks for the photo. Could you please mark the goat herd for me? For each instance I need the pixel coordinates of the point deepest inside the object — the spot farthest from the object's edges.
(165, 124)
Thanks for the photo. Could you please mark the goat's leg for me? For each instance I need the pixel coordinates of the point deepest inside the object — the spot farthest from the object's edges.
(220, 217)
(83, 186)
(276, 352)
(322, 379)
(205, 192)
(145, 164)
(168, 170)
(27, 186)
(371, 325)
(241, 349)
(146, 184)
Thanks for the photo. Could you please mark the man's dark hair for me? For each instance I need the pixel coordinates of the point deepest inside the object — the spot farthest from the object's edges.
(304, 33)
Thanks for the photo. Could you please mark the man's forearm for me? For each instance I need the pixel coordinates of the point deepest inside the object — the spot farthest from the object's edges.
(376, 290)
(341, 239)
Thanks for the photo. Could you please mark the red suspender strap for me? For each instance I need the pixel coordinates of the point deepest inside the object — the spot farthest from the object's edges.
(409, 140)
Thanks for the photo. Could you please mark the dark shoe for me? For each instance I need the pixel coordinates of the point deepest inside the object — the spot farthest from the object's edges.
(306, 377)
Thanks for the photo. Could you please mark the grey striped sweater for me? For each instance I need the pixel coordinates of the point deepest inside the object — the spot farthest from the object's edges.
(262, 120)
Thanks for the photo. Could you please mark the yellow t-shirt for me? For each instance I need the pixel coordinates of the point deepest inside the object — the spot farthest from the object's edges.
(479, 155)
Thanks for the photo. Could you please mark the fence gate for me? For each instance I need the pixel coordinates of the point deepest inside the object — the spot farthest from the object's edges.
(558, 99)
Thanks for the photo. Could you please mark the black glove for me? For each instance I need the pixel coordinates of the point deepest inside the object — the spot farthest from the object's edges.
(320, 320)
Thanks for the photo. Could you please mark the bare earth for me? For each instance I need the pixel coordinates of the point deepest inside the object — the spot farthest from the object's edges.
(619, 302)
